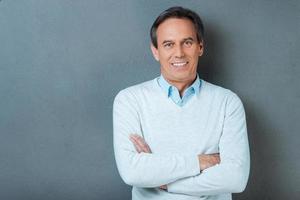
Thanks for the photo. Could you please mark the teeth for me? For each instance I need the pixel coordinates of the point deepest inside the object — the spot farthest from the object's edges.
(179, 64)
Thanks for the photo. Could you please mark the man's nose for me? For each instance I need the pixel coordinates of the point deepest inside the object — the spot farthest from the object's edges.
(179, 51)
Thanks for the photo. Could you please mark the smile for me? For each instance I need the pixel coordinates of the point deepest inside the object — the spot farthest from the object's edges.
(179, 64)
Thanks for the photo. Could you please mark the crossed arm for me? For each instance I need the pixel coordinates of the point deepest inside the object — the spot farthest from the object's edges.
(226, 172)
(205, 160)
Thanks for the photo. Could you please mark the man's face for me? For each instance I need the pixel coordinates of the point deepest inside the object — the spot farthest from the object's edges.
(177, 50)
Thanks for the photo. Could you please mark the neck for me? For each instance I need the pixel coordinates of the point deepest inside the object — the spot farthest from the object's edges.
(181, 85)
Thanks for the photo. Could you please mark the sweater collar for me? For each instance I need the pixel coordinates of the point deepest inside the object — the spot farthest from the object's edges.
(167, 88)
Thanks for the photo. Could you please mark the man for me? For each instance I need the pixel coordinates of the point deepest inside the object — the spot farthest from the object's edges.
(177, 136)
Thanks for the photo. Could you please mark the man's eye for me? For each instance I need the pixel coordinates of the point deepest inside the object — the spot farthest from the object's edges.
(188, 43)
(168, 45)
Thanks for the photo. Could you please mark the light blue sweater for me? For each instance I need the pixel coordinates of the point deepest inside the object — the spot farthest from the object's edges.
(210, 122)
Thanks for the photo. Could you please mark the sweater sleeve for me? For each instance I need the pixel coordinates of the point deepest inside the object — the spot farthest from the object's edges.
(231, 175)
(144, 169)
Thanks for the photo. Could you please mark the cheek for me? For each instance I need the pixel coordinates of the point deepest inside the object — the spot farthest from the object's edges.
(194, 60)
(165, 56)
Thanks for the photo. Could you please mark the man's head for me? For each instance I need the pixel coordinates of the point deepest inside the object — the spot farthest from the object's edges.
(177, 43)
(179, 13)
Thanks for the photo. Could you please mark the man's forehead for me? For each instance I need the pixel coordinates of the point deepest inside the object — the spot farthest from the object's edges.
(176, 29)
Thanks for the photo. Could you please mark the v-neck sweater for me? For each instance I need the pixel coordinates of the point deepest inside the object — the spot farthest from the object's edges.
(212, 121)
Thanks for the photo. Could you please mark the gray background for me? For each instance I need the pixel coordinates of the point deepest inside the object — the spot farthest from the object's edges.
(63, 61)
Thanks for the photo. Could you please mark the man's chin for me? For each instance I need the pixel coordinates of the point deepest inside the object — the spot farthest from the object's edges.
(182, 79)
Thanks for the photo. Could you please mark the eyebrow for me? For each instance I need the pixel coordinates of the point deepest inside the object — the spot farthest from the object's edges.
(189, 38)
(185, 39)
(166, 41)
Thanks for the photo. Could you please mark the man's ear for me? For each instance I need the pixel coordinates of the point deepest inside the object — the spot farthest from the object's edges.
(154, 52)
(201, 48)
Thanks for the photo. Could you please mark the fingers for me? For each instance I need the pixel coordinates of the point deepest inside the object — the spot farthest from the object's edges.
(142, 143)
(208, 160)
(163, 187)
(139, 143)
(216, 158)
(136, 146)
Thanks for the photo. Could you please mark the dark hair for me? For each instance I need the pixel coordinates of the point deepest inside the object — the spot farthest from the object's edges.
(177, 12)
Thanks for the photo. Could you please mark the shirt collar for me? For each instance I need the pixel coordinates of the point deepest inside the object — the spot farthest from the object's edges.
(167, 88)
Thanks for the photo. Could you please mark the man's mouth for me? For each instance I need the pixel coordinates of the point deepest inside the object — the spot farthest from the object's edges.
(179, 64)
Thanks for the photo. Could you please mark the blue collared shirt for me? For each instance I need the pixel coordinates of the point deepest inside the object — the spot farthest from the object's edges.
(173, 93)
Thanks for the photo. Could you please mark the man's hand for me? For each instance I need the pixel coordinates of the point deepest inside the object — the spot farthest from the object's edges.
(164, 187)
(141, 146)
(208, 160)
